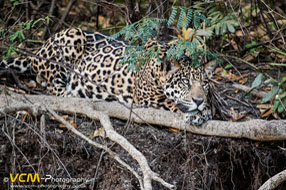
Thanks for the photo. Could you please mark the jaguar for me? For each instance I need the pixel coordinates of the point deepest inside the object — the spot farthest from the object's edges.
(87, 64)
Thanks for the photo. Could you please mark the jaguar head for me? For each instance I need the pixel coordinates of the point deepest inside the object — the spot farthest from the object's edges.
(188, 87)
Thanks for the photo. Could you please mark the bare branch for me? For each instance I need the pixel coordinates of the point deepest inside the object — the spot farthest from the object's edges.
(274, 181)
(76, 132)
(256, 129)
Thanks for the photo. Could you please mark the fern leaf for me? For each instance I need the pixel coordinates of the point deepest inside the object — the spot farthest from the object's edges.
(203, 18)
(172, 16)
(197, 20)
(188, 18)
(181, 17)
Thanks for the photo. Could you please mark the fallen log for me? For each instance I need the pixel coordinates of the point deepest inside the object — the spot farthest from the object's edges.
(256, 129)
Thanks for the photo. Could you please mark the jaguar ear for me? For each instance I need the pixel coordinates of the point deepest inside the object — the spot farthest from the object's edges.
(172, 67)
(210, 67)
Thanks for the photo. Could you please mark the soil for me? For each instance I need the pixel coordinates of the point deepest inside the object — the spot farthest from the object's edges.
(186, 160)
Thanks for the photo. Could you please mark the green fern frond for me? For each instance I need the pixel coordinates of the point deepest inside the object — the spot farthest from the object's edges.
(182, 16)
(172, 16)
(137, 34)
(188, 18)
(196, 20)
(204, 18)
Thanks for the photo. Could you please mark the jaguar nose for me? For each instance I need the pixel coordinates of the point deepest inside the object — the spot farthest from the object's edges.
(198, 101)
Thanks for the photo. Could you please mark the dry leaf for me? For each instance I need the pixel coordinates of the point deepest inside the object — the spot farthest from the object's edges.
(218, 77)
(15, 90)
(234, 45)
(65, 116)
(230, 76)
(99, 132)
(235, 115)
(218, 70)
(239, 33)
(267, 113)
(282, 21)
(265, 110)
(24, 117)
(250, 57)
(264, 106)
(243, 81)
(59, 130)
(276, 116)
(173, 129)
(61, 125)
(281, 56)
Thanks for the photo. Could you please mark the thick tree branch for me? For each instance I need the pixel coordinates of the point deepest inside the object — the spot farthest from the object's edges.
(256, 129)
(274, 181)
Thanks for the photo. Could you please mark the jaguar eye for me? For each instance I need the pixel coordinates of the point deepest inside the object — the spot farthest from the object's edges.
(185, 81)
(206, 86)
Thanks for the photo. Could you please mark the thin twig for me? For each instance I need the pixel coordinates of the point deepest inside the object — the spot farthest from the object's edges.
(260, 94)
(239, 101)
(50, 14)
(65, 14)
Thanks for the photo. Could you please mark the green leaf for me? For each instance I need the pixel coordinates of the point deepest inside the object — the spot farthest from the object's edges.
(279, 51)
(251, 44)
(11, 49)
(172, 16)
(228, 66)
(282, 95)
(281, 108)
(271, 81)
(217, 29)
(197, 20)
(270, 95)
(21, 33)
(2, 32)
(28, 26)
(48, 19)
(257, 81)
(36, 21)
(223, 28)
(276, 104)
(181, 18)
(188, 18)
(230, 28)
(14, 36)
(283, 80)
